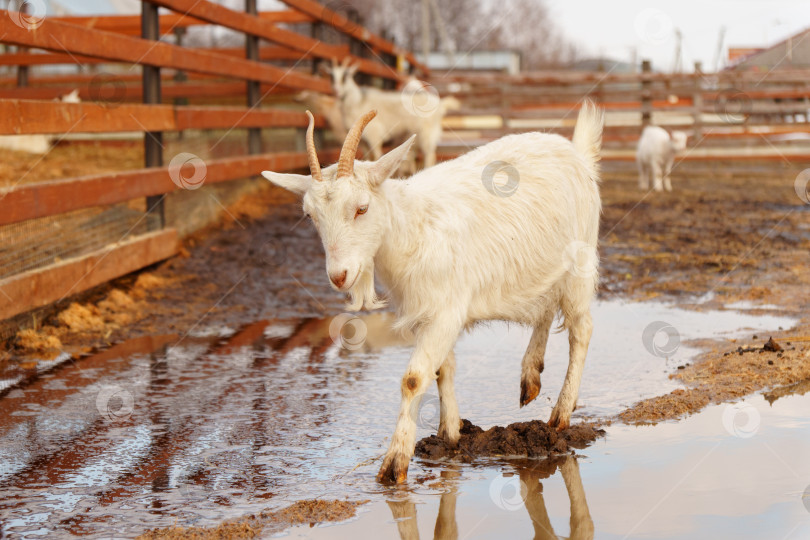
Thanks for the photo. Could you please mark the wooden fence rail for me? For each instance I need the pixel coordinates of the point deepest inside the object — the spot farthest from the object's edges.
(167, 72)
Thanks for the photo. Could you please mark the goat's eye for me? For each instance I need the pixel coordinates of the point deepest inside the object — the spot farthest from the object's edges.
(361, 210)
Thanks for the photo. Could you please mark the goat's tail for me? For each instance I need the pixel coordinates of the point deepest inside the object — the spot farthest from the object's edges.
(588, 135)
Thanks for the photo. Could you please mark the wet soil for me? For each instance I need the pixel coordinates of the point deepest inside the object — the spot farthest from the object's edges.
(719, 238)
(534, 439)
(309, 512)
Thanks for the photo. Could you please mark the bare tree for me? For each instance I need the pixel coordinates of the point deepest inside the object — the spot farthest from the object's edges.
(521, 25)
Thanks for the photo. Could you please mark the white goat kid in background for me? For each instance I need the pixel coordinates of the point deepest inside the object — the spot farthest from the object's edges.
(36, 144)
(655, 156)
(414, 110)
(453, 252)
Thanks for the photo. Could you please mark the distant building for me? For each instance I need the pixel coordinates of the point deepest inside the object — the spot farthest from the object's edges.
(603, 64)
(792, 53)
(504, 61)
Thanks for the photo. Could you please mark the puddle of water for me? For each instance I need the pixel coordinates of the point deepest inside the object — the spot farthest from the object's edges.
(198, 429)
(732, 471)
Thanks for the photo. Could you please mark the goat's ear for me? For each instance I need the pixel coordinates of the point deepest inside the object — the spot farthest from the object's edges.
(352, 69)
(386, 166)
(297, 183)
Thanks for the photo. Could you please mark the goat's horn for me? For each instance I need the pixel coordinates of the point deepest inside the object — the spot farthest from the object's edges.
(349, 150)
(314, 164)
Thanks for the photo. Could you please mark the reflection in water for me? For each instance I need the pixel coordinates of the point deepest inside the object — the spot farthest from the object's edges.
(528, 494)
(198, 429)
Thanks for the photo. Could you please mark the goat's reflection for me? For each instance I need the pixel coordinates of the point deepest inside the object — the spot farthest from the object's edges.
(531, 493)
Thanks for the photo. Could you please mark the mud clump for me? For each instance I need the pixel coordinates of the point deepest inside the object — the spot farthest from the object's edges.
(772, 346)
(528, 439)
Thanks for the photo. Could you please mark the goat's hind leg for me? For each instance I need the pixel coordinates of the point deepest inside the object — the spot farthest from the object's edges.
(534, 360)
(577, 309)
(449, 420)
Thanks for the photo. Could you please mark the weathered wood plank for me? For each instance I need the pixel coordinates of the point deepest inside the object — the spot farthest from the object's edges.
(40, 287)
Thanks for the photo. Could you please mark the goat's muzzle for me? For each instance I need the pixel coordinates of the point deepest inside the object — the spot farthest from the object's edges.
(338, 279)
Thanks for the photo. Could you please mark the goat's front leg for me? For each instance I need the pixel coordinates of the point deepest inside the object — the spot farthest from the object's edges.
(534, 360)
(657, 176)
(643, 177)
(667, 173)
(434, 343)
(449, 420)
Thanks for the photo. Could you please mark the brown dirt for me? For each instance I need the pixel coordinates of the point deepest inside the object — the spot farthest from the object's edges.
(526, 439)
(722, 375)
(737, 235)
(300, 513)
(67, 161)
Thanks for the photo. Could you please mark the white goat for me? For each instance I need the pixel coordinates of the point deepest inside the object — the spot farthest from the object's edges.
(455, 249)
(36, 144)
(655, 156)
(413, 110)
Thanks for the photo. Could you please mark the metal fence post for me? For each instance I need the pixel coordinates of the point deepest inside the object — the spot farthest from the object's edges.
(316, 32)
(697, 103)
(357, 47)
(152, 140)
(253, 87)
(646, 93)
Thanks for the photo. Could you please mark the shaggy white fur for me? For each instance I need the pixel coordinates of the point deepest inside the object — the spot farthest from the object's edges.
(505, 232)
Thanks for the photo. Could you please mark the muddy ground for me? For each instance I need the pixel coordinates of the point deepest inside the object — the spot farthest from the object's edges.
(719, 238)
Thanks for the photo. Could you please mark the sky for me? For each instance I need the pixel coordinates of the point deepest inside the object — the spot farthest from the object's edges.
(617, 29)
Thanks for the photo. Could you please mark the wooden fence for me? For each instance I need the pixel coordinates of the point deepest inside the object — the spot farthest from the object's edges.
(281, 56)
(762, 115)
(737, 116)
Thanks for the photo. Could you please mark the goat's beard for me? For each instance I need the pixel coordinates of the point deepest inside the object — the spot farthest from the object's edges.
(363, 294)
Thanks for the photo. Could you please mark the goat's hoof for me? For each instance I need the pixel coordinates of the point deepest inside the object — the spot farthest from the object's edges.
(394, 469)
(558, 421)
(451, 438)
(528, 392)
